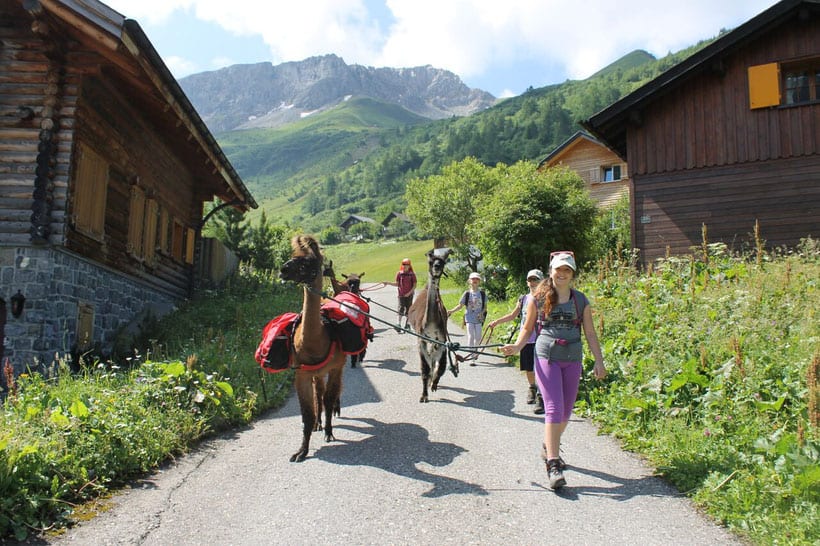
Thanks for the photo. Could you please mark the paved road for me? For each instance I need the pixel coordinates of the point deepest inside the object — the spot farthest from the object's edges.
(461, 469)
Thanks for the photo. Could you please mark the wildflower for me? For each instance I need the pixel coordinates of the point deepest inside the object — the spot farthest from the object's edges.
(707, 433)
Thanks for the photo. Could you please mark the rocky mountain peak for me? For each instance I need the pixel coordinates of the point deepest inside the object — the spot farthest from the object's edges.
(263, 95)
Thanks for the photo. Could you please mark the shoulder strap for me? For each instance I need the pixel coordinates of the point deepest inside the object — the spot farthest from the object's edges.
(578, 317)
(483, 299)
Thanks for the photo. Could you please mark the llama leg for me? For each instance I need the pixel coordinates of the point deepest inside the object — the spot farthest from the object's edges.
(318, 397)
(425, 375)
(441, 367)
(332, 396)
(304, 390)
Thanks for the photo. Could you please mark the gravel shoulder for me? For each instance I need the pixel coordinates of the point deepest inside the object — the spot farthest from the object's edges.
(464, 468)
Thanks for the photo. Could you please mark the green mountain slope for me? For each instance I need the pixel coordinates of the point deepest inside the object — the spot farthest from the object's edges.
(358, 158)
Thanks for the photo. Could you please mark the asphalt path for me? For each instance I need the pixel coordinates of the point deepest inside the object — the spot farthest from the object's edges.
(464, 468)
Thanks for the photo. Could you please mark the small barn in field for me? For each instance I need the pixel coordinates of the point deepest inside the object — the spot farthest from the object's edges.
(604, 173)
(104, 170)
(727, 138)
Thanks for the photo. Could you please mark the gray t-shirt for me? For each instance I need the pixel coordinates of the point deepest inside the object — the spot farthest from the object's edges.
(559, 335)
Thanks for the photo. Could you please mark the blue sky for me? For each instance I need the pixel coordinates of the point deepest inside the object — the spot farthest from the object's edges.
(500, 46)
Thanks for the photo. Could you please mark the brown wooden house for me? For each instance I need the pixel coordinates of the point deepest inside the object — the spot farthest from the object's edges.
(604, 173)
(104, 170)
(726, 138)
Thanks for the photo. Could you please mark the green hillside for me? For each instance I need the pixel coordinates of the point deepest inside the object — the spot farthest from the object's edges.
(357, 158)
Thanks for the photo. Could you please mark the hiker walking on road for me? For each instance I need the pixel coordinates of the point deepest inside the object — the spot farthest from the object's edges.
(475, 301)
(406, 283)
(527, 357)
(559, 352)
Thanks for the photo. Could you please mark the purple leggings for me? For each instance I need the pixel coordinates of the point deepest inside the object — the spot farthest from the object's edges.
(558, 384)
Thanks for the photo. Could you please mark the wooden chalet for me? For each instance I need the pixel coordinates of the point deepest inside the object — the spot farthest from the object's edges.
(726, 138)
(104, 170)
(604, 173)
(354, 219)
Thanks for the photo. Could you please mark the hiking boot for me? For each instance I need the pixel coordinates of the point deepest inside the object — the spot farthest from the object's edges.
(555, 473)
(561, 463)
(539, 404)
(531, 394)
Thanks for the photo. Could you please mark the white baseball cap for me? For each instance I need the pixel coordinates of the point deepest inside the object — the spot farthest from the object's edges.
(537, 273)
(474, 275)
(563, 258)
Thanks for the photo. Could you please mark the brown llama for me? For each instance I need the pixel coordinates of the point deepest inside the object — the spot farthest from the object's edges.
(352, 283)
(428, 317)
(317, 358)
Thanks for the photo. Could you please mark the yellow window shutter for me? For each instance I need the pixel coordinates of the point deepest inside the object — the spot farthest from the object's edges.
(764, 85)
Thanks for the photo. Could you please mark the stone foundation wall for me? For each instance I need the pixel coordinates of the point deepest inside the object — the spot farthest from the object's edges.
(56, 285)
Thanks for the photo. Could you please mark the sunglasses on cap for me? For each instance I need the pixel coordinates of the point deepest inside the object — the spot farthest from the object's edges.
(531, 279)
(559, 252)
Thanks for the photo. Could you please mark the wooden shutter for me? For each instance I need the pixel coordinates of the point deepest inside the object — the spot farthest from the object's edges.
(189, 246)
(136, 220)
(90, 187)
(164, 223)
(177, 240)
(149, 240)
(764, 85)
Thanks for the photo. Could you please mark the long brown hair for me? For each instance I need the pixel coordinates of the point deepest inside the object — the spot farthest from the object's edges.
(546, 296)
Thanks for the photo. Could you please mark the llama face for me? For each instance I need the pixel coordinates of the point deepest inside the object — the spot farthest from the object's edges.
(301, 269)
(436, 260)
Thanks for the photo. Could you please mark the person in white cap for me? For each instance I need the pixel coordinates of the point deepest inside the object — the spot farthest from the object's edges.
(564, 313)
(475, 301)
(527, 358)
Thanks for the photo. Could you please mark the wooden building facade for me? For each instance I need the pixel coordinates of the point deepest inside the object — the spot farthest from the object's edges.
(104, 170)
(605, 175)
(727, 138)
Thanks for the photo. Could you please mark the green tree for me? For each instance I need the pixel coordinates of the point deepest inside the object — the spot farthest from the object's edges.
(443, 205)
(531, 214)
(229, 226)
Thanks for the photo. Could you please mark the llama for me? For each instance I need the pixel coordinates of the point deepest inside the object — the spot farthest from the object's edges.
(318, 360)
(428, 317)
(352, 283)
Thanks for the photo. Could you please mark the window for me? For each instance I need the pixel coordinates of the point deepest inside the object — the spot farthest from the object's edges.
(611, 173)
(801, 82)
(91, 185)
(784, 84)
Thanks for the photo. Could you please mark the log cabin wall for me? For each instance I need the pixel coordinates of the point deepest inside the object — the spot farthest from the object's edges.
(699, 154)
(80, 293)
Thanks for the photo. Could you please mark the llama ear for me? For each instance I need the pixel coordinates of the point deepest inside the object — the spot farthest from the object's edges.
(343, 275)
(361, 275)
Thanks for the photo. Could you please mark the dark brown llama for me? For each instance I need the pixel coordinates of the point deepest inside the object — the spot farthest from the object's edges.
(317, 358)
(352, 283)
(428, 317)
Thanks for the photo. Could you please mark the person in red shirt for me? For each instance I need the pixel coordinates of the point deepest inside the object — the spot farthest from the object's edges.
(406, 283)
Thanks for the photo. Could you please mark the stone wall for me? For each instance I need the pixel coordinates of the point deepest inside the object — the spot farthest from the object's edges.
(56, 285)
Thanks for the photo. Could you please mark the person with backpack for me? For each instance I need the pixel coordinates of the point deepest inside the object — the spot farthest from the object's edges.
(527, 358)
(475, 301)
(406, 283)
(564, 314)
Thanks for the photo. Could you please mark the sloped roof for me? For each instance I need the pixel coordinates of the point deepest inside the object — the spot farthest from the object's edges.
(133, 62)
(568, 144)
(610, 124)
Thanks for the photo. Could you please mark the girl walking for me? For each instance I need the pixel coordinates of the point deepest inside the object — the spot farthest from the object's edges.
(475, 300)
(564, 313)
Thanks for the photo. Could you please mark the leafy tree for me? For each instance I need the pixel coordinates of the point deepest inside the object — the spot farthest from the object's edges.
(531, 214)
(229, 226)
(443, 205)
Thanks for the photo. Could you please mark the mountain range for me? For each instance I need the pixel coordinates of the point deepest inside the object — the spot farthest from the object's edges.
(262, 95)
(318, 140)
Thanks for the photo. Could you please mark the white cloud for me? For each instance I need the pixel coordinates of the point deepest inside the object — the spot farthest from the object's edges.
(178, 65)
(468, 37)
